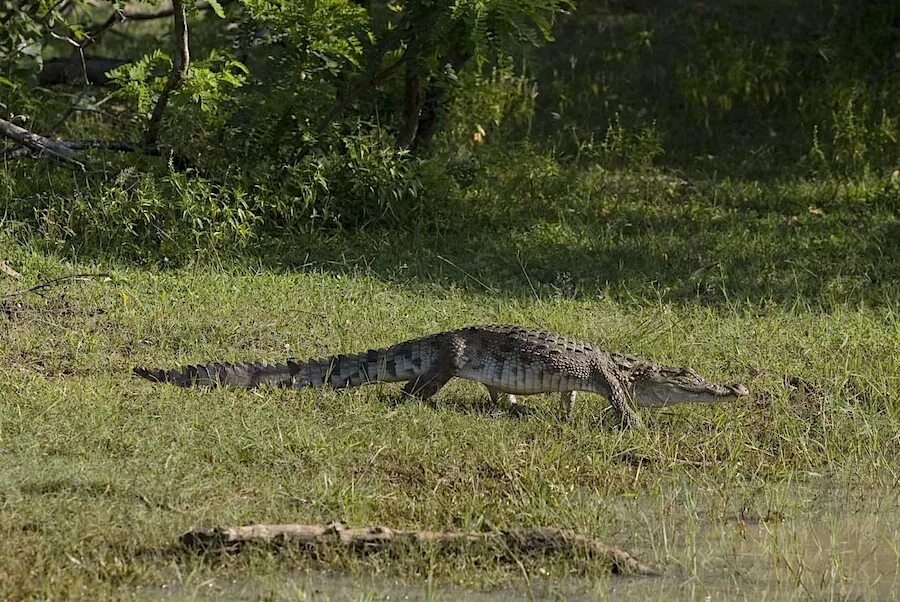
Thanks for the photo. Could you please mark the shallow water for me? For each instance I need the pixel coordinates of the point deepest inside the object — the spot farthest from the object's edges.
(831, 544)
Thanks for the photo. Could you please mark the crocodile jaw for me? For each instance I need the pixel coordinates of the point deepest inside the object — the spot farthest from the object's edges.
(659, 394)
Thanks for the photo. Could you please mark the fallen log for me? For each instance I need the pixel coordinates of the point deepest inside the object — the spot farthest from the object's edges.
(533, 541)
(39, 144)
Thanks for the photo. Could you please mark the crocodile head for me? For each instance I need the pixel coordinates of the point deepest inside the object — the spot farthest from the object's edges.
(657, 386)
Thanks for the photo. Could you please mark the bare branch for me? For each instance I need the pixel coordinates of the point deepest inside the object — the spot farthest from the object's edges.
(56, 282)
(117, 16)
(73, 145)
(39, 144)
(176, 75)
(535, 541)
(62, 38)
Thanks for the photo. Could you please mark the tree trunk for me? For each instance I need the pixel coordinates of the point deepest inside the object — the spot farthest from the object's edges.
(412, 105)
(176, 75)
(437, 92)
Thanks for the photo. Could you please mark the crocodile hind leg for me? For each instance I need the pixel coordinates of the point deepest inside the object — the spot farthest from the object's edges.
(515, 408)
(494, 393)
(566, 403)
(427, 384)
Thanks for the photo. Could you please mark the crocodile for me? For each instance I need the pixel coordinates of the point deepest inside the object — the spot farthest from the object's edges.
(508, 359)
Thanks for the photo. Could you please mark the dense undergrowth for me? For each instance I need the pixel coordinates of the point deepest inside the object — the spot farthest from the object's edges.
(715, 122)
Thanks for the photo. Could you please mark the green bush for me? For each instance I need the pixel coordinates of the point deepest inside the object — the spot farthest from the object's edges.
(364, 181)
(858, 136)
(139, 215)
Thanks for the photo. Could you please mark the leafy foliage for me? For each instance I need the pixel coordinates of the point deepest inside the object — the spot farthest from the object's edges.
(23, 38)
(490, 106)
(364, 182)
(141, 81)
(290, 116)
(325, 35)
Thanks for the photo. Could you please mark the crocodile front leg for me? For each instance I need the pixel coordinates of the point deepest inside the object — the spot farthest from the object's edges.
(566, 403)
(618, 398)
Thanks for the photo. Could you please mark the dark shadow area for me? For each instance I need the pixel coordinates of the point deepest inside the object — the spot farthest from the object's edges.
(582, 233)
(803, 243)
(756, 89)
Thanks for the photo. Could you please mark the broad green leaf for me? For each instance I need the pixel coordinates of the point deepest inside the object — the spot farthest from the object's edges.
(217, 8)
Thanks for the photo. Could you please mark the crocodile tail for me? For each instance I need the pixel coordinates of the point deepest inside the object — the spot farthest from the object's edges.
(244, 375)
(395, 364)
(401, 362)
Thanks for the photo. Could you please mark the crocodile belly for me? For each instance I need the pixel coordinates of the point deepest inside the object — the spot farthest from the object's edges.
(522, 379)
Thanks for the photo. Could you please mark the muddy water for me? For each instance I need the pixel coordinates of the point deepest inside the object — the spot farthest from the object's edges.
(784, 544)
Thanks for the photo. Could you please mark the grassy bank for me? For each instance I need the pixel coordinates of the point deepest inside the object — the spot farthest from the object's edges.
(791, 493)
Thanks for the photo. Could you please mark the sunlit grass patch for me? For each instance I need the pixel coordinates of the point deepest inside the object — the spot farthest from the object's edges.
(102, 472)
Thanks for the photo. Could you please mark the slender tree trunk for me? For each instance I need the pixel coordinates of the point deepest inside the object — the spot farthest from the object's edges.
(176, 75)
(437, 92)
(436, 95)
(412, 106)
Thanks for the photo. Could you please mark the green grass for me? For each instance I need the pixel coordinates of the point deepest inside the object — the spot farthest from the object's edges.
(544, 230)
(791, 494)
(790, 286)
(682, 214)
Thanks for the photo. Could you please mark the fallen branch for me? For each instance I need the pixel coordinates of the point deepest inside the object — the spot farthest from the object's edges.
(179, 162)
(56, 282)
(9, 271)
(110, 145)
(107, 145)
(39, 144)
(519, 541)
